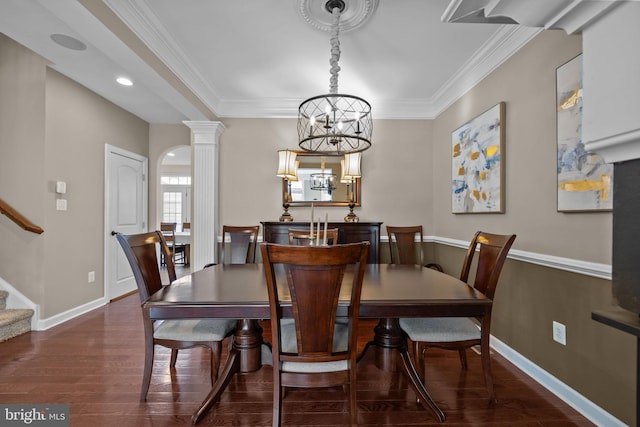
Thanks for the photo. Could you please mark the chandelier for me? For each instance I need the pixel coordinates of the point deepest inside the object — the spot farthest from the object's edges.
(323, 181)
(335, 123)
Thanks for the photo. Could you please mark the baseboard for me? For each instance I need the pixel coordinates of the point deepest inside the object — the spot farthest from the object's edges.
(17, 299)
(60, 318)
(588, 409)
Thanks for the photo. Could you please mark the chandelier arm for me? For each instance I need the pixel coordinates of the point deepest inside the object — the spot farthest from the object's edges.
(335, 51)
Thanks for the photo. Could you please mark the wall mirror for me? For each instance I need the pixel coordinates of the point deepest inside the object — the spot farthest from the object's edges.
(319, 182)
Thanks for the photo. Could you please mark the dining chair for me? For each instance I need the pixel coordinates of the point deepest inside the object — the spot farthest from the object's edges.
(141, 252)
(403, 248)
(168, 230)
(460, 333)
(301, 237)
(241, 246)
(313, 350)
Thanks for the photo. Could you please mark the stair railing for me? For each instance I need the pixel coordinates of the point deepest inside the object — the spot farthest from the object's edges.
(20, 220)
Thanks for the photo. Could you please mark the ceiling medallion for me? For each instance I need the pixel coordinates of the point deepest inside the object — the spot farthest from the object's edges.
(355, 14)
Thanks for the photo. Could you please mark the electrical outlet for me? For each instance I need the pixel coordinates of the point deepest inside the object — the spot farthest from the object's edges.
(559, 333)
(91, 277)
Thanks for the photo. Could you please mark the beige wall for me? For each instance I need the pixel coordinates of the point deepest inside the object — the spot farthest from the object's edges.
(396, 181)
(598, 362)
(22, 161)
(526, 83)
(52, 129)
(78, 125)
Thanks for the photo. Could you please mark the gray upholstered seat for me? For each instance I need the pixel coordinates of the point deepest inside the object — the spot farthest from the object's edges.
(440, 329)
(194, 329)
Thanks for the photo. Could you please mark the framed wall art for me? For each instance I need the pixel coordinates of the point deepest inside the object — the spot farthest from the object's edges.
(477, 163)
(585, 181)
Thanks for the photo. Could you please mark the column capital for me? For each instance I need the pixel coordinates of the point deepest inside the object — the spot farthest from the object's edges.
(205, 131)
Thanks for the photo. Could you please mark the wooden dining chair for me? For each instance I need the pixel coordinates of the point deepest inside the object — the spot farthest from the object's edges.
(460, 333)
(168, 230)
(406, 246)
(241, 246)
(303, 237)
(313, 350)
(141, 252)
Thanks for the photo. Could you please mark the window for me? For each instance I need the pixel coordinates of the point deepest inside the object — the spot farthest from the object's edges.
(175, 199)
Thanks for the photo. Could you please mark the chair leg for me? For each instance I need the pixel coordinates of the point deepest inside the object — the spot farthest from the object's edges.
(148, 367)
(463, 358)
(216, 350)
(277, 402)
(353, 403)
(485, 357)
(174, 357)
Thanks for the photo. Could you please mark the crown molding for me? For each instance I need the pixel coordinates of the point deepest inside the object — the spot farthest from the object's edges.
(139, 17)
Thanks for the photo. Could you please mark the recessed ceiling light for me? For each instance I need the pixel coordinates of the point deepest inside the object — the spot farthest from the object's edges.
(68, 42)
(124, 81)
(171, 154)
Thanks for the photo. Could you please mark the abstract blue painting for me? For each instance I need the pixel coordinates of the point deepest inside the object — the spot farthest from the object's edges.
(477, 172)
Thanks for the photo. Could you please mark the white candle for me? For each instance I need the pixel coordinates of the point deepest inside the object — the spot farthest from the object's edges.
(318, 235)
(311, 225)
(326, 220)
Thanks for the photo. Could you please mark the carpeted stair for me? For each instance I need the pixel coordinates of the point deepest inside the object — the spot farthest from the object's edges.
(13, 322)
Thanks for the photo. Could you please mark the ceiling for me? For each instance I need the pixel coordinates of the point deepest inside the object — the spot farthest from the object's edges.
(211, 59)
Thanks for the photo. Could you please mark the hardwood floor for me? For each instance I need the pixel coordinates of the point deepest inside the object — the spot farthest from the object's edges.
(94, 364)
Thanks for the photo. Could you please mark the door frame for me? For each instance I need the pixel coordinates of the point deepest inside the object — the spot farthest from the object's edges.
(109, 151)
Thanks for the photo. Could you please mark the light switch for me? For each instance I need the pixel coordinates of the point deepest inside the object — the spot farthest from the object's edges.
(61, 204)
(61, 187)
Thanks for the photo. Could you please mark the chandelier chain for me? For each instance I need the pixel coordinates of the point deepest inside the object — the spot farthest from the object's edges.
(335, 50)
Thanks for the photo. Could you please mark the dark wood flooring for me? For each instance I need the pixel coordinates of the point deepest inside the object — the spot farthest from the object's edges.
(94, 364)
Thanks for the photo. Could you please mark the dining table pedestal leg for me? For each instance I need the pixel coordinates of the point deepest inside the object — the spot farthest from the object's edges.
(390, 344)
(244, 356)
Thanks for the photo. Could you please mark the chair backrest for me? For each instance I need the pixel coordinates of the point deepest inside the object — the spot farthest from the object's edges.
(141, 251)
(402, 244)
(186, 226)
(241, 248)
(300, 237)
(493, 252)
(313, 276)
(168, 230)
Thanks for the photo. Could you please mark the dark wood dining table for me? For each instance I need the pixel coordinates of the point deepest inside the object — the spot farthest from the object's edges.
(388, 292)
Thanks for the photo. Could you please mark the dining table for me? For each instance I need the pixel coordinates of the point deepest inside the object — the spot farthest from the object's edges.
(389, 291)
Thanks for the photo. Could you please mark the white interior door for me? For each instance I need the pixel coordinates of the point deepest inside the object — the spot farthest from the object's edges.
(125, 212)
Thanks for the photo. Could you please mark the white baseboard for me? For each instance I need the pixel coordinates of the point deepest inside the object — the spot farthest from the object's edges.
(588, 409)
(59, 318)
(17, 299)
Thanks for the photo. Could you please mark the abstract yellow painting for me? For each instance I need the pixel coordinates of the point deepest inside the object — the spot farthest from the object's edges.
(585, 181)
(477, 163)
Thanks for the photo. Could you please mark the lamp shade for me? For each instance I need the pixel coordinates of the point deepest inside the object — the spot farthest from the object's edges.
(287, 164)
(352, 165)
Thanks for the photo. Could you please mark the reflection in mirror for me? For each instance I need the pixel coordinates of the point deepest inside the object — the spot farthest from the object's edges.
(319, 180)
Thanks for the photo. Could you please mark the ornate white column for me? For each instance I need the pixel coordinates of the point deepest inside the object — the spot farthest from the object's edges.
(204, 190)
